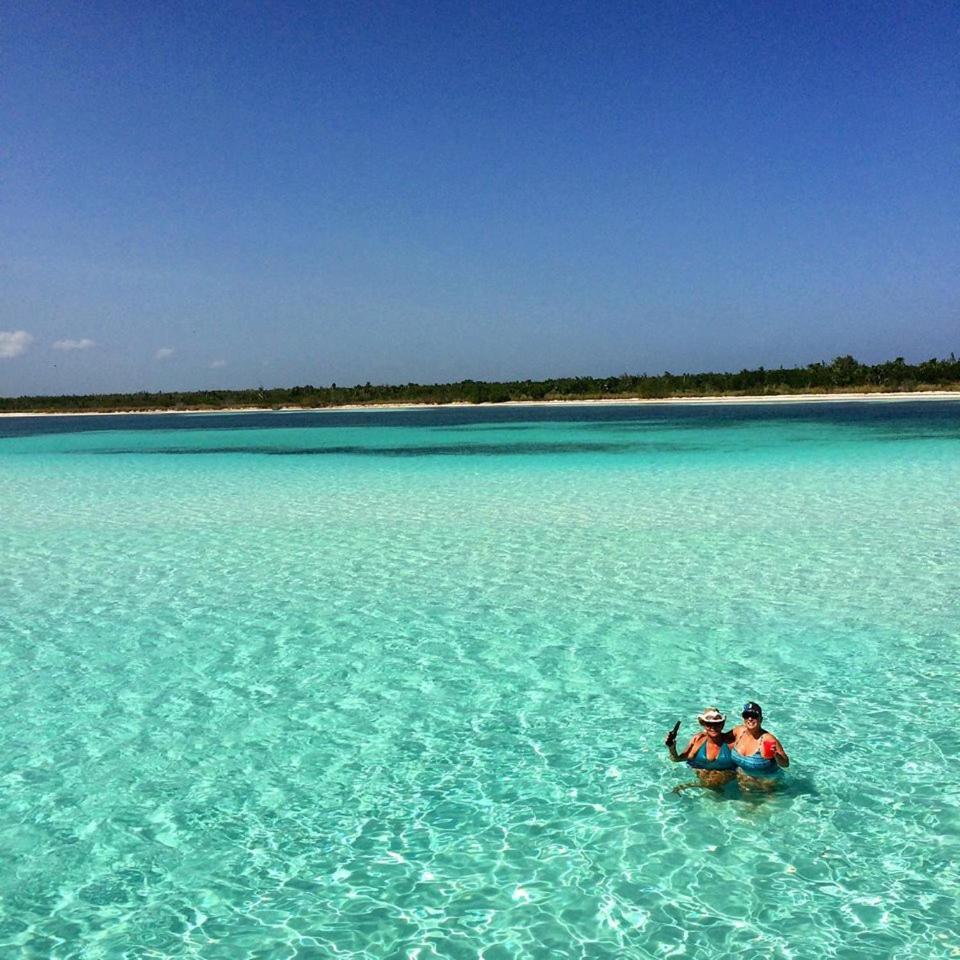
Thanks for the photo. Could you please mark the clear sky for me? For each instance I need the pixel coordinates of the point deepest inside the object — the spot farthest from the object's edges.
(227, 194)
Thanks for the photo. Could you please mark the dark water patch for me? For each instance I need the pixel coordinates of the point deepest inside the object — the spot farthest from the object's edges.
(483, 427)
(897, 415)
(868, 437)
(899, 437)
(451, 450)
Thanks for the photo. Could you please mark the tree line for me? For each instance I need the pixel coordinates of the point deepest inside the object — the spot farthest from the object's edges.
(843, 374)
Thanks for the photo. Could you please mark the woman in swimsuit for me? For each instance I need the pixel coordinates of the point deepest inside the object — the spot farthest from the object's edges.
(707, 752)
(757, 753)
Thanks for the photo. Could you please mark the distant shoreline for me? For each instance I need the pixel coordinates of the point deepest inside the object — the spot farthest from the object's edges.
(722, 400)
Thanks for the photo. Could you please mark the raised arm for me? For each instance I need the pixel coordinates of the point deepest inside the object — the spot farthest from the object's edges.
(687, 751)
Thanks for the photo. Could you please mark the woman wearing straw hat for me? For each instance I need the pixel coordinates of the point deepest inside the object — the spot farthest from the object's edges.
(707, 752)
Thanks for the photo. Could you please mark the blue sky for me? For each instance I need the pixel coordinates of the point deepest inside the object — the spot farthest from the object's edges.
(219, 195)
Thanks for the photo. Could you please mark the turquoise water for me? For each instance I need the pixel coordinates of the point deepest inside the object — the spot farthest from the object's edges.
(395, 685)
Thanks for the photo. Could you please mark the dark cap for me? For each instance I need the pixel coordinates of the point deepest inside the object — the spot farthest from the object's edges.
(751, 707)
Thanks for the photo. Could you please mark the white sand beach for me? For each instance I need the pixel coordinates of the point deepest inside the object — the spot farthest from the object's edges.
(623, 401)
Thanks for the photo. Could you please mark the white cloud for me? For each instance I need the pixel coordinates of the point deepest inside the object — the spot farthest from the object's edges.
(163, 353)
(13, 343)
(217, 364)
(85, 344)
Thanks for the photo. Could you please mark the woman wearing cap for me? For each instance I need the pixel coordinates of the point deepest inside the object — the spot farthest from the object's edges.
(707, 752)
(757, 753)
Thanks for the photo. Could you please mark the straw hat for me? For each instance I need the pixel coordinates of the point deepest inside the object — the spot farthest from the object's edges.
(711, 715)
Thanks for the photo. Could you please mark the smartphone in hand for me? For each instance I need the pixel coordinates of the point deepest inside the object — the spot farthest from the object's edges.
(672, 735)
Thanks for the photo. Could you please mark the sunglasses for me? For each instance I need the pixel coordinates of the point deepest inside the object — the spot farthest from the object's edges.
(717, 724)
(751, 716)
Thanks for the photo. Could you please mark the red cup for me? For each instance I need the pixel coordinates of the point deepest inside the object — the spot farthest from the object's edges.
(769, 749)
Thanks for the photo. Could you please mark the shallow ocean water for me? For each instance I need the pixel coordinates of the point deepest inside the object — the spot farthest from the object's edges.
(395, 685)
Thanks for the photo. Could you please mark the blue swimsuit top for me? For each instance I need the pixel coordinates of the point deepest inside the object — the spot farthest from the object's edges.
(723, 761)
(756, 765)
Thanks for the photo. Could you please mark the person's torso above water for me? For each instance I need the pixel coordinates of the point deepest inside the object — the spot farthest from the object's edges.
(700, 756)
(749, 755)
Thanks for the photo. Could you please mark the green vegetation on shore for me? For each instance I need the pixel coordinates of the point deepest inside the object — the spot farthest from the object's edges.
(843, 375)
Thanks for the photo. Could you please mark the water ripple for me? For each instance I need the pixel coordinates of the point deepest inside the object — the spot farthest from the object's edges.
(388, 706)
